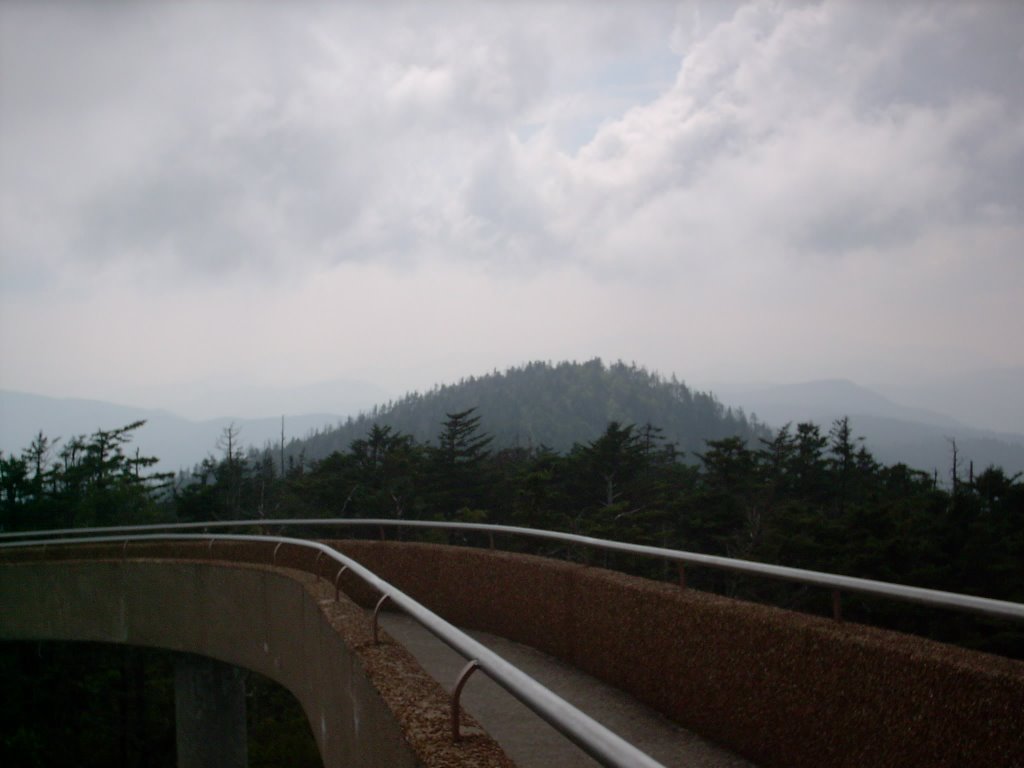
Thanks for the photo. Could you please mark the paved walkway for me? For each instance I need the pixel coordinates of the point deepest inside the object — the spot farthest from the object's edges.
(527, 739)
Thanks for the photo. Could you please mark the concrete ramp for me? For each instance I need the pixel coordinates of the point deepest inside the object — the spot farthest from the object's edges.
(531, 742)
(368, 705)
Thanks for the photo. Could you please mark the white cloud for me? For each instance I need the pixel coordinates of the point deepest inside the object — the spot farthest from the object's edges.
(766, 133)
(789, 185)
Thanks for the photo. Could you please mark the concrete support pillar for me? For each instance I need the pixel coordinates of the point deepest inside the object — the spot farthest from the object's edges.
(209, 711)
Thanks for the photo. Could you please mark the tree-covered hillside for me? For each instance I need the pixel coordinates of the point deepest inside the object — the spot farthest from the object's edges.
(556, 406)
(494, 449)
(803, 496)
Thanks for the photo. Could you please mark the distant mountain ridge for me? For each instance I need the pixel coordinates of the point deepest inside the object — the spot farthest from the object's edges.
(991, 399)
(554, 405)
(340, 397)
(178, 442)
(895, 433)
(825, 399)
(542, 403)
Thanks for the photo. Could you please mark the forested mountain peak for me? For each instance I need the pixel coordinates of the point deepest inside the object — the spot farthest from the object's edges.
(551, 404)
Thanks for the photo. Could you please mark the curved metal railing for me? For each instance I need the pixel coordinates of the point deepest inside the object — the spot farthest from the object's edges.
(984, 606)
(600, 743)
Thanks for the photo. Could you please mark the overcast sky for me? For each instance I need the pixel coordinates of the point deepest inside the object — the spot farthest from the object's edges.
(204, 194)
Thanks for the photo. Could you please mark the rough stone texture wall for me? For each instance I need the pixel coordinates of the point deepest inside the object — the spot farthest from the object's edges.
(781, 688)
(368, 705)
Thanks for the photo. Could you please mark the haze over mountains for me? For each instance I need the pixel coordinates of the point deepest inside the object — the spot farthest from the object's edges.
(236, 400)
(917, 436)
(178, 442)
(987, 399)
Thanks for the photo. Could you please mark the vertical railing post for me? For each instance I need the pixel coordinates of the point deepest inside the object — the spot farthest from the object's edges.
(376, 613)
(467, 670)
(837, 605)
(337, 582)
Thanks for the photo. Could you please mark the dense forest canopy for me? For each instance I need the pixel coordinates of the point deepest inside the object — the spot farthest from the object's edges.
(803, 496)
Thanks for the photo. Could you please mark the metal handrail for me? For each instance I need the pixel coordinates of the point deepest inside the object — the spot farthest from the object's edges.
(595, 739)
(984, 606)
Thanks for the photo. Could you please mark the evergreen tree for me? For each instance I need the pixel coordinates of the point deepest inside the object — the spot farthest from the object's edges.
(458, 464)
(94, 482)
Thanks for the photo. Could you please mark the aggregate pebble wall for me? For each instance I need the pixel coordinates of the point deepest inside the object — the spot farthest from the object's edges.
(780, 688)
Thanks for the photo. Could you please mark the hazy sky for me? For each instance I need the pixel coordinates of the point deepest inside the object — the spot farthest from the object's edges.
(203, 194)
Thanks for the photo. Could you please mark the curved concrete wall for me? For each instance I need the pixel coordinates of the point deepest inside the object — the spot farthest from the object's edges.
(781, 688)
(368, 705)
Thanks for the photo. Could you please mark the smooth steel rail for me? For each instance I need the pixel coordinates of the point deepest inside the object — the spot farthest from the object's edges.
(600, 743)
(984, 606)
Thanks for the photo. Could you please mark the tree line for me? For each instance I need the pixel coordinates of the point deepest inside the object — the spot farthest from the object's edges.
(88, 481)
(802, 497)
